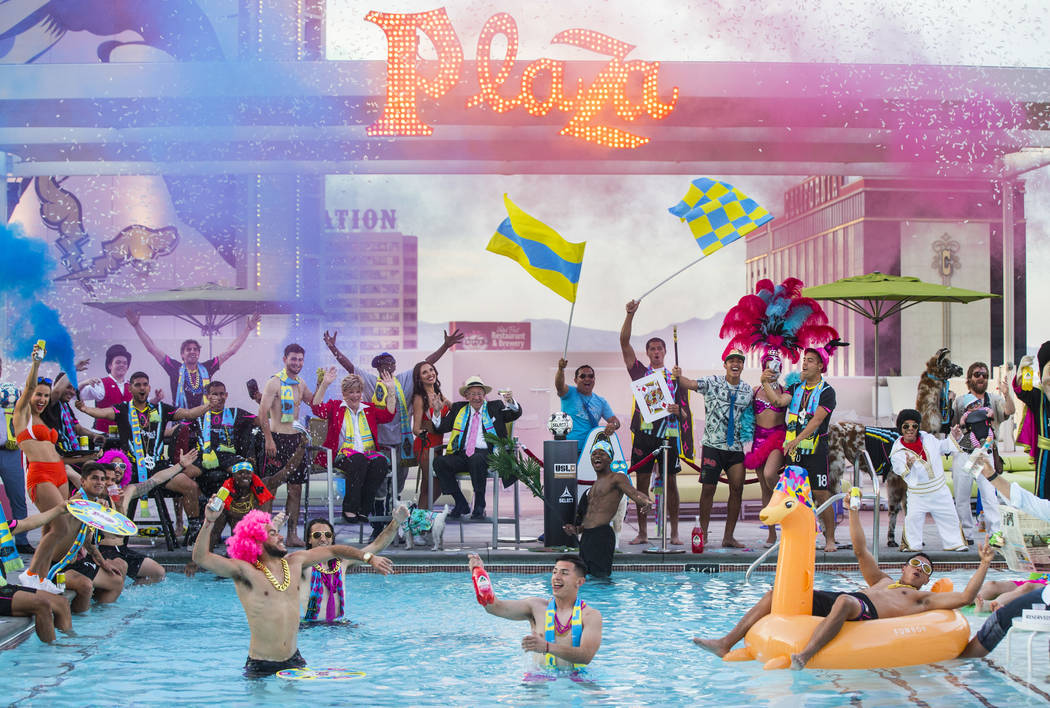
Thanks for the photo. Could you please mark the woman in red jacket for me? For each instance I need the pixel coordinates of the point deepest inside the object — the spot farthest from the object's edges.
(352, 437)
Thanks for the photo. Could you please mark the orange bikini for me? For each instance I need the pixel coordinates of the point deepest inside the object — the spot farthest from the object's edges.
(38, 472)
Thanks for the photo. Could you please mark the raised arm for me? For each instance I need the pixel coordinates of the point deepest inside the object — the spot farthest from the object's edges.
(329, 376)
(629, 356)
(869, 567)
(329, 340)
(559, 379)
(623, 483)
(952, 600)
(252, 322)
(507, 609)
(141, 489)
(775, 397)
(389, 531)
(135, 321)
(35, 521)
(223, 567)
(684, 381)
(451, 340)
(191, 413)
(22, 404)
(103, 413)
(320, 554)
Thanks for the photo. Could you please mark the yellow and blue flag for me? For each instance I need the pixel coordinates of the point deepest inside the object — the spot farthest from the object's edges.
(718, 213)
(540, 250)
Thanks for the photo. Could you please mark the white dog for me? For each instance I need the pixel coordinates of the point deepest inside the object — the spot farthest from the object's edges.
(426, 527)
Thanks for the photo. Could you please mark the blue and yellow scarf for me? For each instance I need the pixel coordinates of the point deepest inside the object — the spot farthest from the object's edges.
(551, 635)
(208, 457)
(459, 426)
(379, 399)
(12, 562)
(797, 418)
(288, 384)
(203, 379)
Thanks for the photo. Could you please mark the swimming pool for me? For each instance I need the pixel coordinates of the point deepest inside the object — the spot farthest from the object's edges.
(423, 641)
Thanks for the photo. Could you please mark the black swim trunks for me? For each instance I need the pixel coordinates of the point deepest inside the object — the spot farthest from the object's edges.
(645, 444)
(287, 444)
(597, 547)
(7, 592)
(85, 567)
(822, 602)
(261, 668)
(132, 557)
(715, 460)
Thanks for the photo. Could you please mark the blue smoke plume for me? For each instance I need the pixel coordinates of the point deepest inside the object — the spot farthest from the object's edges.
(24, 274)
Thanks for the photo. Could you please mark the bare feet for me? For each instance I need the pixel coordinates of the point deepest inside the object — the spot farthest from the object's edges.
(798, 662)
(715, 646)
(731, 543)
(294, 542)
(675, 541)
(829, 547)
(979, 604)
(994, 605)
(638, 540)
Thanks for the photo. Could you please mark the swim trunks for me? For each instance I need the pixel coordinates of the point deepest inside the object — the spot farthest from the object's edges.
(287, 444)
(85, 567)
(995, 627)
(714, 459)
(822, 602)
(597, 546)
(645, 444)
(7, 592)
(817, 467)
(261, 668)
(132, 557)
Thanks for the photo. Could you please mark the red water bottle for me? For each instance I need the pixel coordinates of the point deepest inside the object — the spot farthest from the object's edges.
(483, 587)
(698, 537)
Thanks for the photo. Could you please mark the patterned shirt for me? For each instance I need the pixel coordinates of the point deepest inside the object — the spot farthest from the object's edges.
(718, 399)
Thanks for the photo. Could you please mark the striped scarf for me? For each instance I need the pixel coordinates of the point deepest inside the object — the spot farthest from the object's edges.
(330, 577)
(68, 433)
(798, 418)
(288, 384)
(72, 553)
(11, 561)
(459, 426)
(203, 378)
(208, 457)
(346, 437)
(379, 399)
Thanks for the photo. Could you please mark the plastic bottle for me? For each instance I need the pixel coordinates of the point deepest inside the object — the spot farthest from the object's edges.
(1027, 377)
(854, 498)
(977, 454)
(698, 537)
(483, 587)
(219, 501)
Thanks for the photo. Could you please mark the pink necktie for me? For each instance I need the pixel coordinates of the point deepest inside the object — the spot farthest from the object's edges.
(472, 432)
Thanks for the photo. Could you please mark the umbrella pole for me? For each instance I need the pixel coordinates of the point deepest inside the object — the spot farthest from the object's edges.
(876, 371)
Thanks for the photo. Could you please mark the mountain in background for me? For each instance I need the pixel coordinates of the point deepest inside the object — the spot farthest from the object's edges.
(698, 337)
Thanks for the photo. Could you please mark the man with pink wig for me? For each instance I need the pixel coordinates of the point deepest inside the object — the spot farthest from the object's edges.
(267, 579)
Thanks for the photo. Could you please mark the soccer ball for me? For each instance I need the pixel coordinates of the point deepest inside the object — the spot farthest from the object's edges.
(8, 395)
(560, 424)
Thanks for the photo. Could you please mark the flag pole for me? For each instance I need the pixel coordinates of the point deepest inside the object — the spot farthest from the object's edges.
(565, 352)
(639, 298)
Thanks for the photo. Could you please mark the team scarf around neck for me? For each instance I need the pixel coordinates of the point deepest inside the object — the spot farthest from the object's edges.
(208, 457)
(12, 562)
(288, 384)
(320, 581)
(402, 407)
(85, 534)
(550, 633)
(203, 378)
(346, 440)
(136, 440)
(797, 420)
(68, 432)
(459, 426)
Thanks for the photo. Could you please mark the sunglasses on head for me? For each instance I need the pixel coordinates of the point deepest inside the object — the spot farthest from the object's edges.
(921, 565)
(321, 534)
(910, 426)
(43, 380)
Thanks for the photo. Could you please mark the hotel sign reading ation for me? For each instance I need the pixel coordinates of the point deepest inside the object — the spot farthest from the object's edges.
(584, 103)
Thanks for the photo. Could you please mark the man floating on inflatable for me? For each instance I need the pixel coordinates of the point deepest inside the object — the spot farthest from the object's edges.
(874, 628)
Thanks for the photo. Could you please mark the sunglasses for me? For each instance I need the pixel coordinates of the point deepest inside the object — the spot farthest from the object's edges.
(586, 376)
(910, 426)
(921, 565)
(318, 534)
(980, 374)
(43, 380)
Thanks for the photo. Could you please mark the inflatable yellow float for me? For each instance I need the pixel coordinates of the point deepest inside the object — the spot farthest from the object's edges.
(923, 638)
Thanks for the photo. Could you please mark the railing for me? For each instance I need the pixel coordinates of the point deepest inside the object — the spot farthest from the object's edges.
(876, 496)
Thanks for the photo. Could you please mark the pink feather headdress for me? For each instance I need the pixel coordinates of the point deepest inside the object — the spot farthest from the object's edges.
(778, 320)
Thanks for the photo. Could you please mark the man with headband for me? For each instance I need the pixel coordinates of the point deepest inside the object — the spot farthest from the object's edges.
(597, 539)
(267, 580)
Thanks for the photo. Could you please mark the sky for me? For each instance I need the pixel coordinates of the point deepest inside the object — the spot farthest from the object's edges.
(632, 242)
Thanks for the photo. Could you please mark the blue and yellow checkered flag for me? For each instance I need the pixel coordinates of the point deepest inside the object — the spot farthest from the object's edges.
(540, 250)
(718, 213)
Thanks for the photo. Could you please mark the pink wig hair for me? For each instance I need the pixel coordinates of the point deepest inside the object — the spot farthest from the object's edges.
(248, 537)
(110, 456)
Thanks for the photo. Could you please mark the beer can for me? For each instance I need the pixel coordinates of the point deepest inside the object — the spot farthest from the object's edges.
(83, 441)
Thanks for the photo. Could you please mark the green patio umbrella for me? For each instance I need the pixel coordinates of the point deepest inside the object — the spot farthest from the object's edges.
(878, 296)
(210, 307)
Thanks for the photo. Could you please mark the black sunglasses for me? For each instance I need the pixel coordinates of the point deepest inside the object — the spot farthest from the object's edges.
(980, 374)
(586, 376)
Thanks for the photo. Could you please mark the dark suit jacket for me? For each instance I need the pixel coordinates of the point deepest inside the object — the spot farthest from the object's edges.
(500, 414)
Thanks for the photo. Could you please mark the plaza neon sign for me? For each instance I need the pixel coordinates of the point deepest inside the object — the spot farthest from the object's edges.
(405, 84)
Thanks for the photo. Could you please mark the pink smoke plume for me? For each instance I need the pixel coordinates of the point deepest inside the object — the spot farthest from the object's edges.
(248, 537)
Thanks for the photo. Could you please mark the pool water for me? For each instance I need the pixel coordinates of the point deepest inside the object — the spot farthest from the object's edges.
(423, 641)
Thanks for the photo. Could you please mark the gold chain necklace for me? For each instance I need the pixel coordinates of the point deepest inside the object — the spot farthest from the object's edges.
(273, 581)
(322, 568)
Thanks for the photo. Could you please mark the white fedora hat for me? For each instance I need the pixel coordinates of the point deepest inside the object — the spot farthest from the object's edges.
(472, 382)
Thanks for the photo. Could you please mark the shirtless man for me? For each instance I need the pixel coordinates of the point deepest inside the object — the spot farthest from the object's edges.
(277, 413)
(558, 642)
(267, 585)
(597, 539)
(882, 599)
